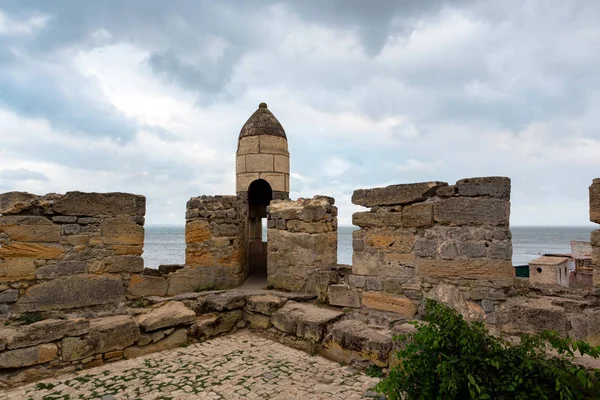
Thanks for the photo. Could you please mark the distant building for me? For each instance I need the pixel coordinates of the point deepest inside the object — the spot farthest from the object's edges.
(551, 270)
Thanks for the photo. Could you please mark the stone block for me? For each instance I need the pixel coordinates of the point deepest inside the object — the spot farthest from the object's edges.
(492, 186)
(25, 357)
(369, 219)
(145, 285)
(273, 145)
(500, 250)
(342, 295)
(358, 281)
(125, 250)
(451, 296)
(275, 179)
(62, 268)
(426, 247)
(45, 331)
(467, 269)
(173, 313)
(64, 219)
(243, 181)
(472, 211)
(595, 201)
(417, 215)
(446, 191)
(304, 320)
(240, 164)
(231, 300)
(31, 250)
(395, 194)
(72, 292)
(100, 204)
(9, 296)
(105, 334)
(397, 304)
(70, 229)
(258, 321)
(29, 229)
(265, 304)
(364, 263)
(399, 240)
(119, 264)
(352, 340)
(16, 202)
(249, 145)
(595, 238)
(173, 341)
(122, 231)
(259, 163)
(14, 270)
(520, 315)
(209, 325)
(479, 249)
(281, 163)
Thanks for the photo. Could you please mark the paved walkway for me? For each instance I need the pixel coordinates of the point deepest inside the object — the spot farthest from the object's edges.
(238, 366)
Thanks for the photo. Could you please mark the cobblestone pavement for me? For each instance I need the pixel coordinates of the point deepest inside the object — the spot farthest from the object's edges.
(238, 366)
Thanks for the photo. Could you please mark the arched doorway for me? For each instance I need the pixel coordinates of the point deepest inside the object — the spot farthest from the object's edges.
(260, 195)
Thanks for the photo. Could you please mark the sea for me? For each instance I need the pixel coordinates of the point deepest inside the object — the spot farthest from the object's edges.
(166, 244)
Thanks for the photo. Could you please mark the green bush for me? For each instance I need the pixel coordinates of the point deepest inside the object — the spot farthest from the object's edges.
(449, 358)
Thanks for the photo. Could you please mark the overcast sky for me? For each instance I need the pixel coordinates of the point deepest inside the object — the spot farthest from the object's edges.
(149, 96)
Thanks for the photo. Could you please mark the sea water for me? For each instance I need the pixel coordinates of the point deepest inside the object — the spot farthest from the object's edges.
(166, 244)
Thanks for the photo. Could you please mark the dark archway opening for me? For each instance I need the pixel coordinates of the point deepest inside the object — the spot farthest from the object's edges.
(260, 195)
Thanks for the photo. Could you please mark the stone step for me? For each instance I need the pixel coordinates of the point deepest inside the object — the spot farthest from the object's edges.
(304, 320)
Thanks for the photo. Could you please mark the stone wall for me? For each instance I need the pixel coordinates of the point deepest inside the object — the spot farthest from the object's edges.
(418, 235)
(68, 251)
(595, 237)
(302, 240)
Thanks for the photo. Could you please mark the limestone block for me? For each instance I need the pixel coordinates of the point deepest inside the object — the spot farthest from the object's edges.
(16, 202)
(273, 145)
(45, 331)
(78, 240)
(472, 211)
(258, 321)
(174, 340)
(9, 296)
(281, 163)
(595, 201)
(29, 229)
(71, 292)
(499, 250)
(469, 269)
(352, 340)
(451, 296)
(201, 258)
(342, 295)
(248, 145)
(265, 304)
(100, 204)
(31, 250)
(122, 231)
(492, 186)
(446, 191)
(399, 240)
(65, 219)
(16, 270)
(126, 250)
(106, 334)
(364, 263)
(287, 183)
(243, 181)
(395, 194)
(240, 164)
(426, 247)
(417, 215)
(531, 315)
(119, 264)
(259, 163)
(595, 238)
(25, 357)
(397, 304)
(304, 320)
(209, 325)
(377, 219)
(227, 301)
(146, 285)
(173, 313)
(275, 179)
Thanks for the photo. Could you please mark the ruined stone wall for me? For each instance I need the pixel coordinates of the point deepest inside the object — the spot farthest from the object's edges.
(68, 251)
(302, 239)
(595, 237)
(214, 254)
(418, 235)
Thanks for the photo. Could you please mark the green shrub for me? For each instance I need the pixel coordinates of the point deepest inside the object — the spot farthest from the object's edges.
(449, 358)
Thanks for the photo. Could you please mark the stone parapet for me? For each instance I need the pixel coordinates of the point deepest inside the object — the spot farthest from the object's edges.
(302, 238)
(595, 236)
(66, 251)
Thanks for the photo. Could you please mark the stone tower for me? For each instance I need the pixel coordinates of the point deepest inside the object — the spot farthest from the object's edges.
(262, 175)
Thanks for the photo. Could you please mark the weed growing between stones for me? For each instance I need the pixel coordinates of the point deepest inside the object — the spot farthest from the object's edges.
(449, 358)
(374, 371)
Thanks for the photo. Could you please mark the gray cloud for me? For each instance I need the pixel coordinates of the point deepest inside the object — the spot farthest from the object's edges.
(22, 174)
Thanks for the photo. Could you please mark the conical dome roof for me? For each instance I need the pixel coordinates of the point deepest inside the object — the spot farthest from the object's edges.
(262, 122)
